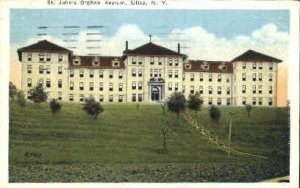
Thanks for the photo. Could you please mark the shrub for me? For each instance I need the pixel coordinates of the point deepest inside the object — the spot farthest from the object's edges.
(92, 108)
(176, 103)
(215, 113)
(55, 106)
(12, 90)
(38, 95)
(194, 102)
(21, 99)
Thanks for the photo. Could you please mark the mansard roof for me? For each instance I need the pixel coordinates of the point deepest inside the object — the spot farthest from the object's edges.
(213, 66)
(43, 46)
(254, 56)
(153, 49)
(105, 62)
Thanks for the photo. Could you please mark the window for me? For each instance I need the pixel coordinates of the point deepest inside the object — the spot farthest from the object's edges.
(111, 87)
(176, 74)
(111, 98)
(155, 72)
(96, 63)
(140, 97)
(270, 90)
(41, 81)
(270, 66)
(48, 70)
(28, 94)
(140, 61)
(201, 89)
(60, 57)
(219, 101)
(29, 70)
(111, 75)
(59, 84)
(254, 101)
(192, 89)
(260, 76)
(151, 72)
(140, 73)
(151, 61)
(260, 66)
(201, 77)
(48, 83)
(81, 73)
(227, 79)
(170, 86)
(228, 91)
(244, 65)
(170, 61)
(210, 101)
(187, 66)
(71, 97)
(210, 78)
(120, 98)
(270, 101)
(133, 97)
(159, 61)
(81, 97)
(120, 87)
(260, 89)
(48, 57)
(133, 85)
(176, 86)
(254, 76)
(120, 74)
(244, 101)
(219, 77)
(260, 101)
(183, 76)
(91, 73)
(71, 85)
(270, 77)
(224, 66)
(41, 69)
(81, 86)
(59, 96)
(29, 82)
(29, 56)
(210, 90)
(91, 86)
(101, 98)
(176, 62)
(244, 76)
(206, 65)
(41, 57)
(243, 88)
(133, 73)
(133, 61)
(254, 65)
(192, 77)
(140, 85)
(101, 86)
(100, 73)
(170, 74)
(228, 101)
(219, 90)
(183, 89)
(254, 89)
(71, 73)
(59, 70)
(159, 72)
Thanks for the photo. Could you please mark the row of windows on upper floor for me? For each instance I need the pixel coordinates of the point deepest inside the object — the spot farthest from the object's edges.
(155, 61)
(260, 101)
(45, 57)
(254, 66)
(260, 89)
(260, 77)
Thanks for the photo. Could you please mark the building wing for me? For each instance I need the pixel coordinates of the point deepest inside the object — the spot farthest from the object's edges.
(254, 56)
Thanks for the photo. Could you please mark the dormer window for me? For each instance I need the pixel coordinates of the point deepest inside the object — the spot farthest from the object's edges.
(206, 65)
(187, 66)
(76, 61)
(96, 61)
(115, 62)
(223, 66)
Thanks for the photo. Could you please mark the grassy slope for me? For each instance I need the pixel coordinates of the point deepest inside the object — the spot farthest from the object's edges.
(125, 144)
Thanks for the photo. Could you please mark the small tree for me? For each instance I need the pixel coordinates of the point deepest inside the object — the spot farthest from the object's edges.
(38, 95)
(194, 102)
(12, 90)
(21, 99)
(248, 109)
(176, 103)
(92, 108)
(55, 106)
(215, 113)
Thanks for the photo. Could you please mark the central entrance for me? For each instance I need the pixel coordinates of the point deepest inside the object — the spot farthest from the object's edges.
(156, 89)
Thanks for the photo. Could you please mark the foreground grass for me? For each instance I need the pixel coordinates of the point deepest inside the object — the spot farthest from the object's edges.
(125, 144)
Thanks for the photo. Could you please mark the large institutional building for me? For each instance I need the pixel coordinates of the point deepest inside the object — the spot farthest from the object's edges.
(148, 74)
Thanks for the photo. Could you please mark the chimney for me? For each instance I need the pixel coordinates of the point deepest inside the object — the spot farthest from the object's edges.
(126, 45)
(178, 48)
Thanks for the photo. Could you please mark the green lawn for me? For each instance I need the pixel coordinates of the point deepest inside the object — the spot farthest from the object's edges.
(125, 144)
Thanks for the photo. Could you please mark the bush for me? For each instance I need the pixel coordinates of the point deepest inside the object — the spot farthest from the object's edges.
(55, 106)
(215, 113)
(194, 102)
(92, 108)
(38, 95)
(21, 99)
(176, 103)
(12, 90)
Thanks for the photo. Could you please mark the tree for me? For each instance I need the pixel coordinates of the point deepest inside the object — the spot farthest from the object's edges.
(12, 90)
(92, 108)
(248, 109)
(21, 99)
(55, 106)
(38, 95)
(215, 113)
(194, 102)
(176, 103)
